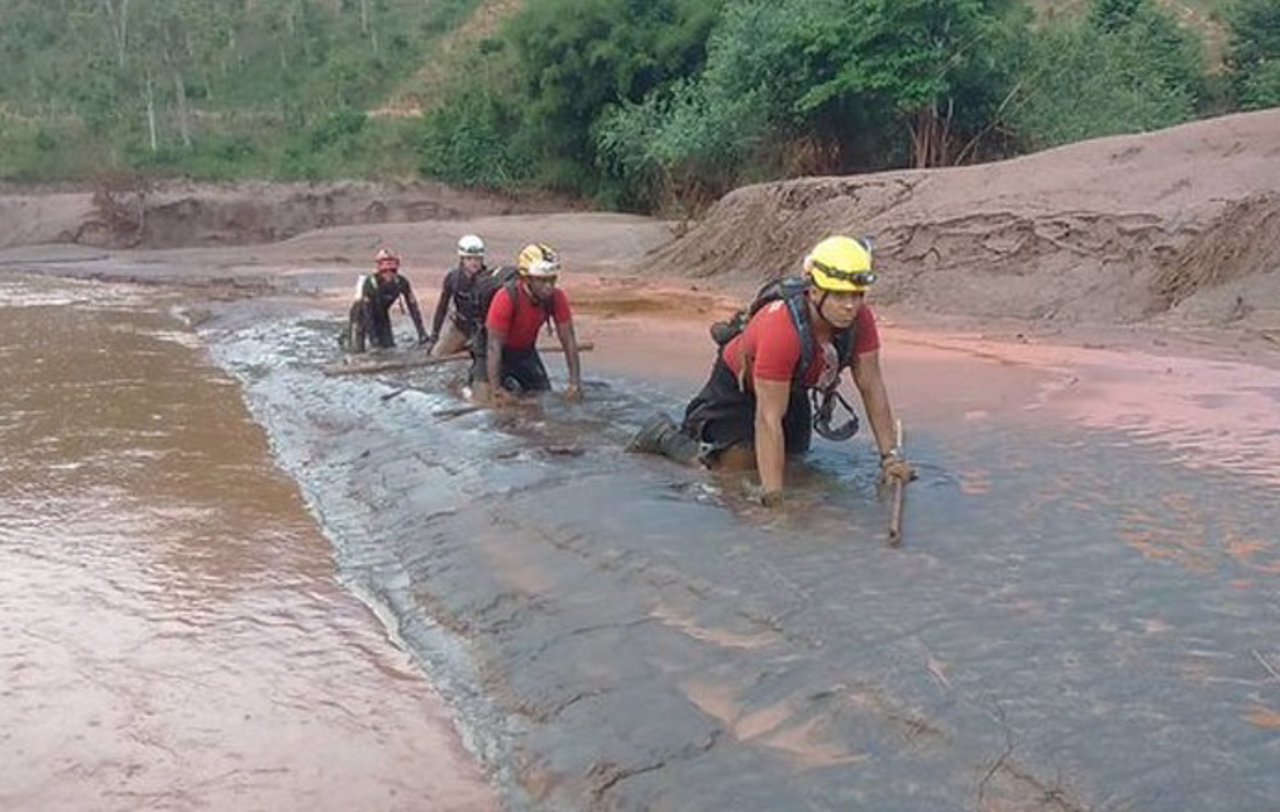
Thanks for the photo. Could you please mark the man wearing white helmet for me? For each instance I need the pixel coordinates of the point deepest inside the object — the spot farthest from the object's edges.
(370, 316)
(505, 354)
(460, 300)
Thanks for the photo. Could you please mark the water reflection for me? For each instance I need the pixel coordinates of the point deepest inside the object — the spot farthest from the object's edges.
(170, 635)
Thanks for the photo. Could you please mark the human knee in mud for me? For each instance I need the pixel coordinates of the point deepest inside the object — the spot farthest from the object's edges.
(777, 360)
(521, 371)
(505, 357)
(369, 318)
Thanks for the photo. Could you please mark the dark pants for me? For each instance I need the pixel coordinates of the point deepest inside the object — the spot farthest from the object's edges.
(722, 416)
(522, 370)
(368, 324)
(378, 324)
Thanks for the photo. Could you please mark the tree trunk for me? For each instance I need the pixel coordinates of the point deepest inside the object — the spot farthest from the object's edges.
(184, 121)
(931, 137)
(151, 115)
(118, 24)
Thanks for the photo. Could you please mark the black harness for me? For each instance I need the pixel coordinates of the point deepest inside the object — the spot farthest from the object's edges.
(791, 291)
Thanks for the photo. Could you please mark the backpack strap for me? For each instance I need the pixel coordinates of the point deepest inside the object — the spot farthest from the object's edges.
(512, 287)
(808, 346)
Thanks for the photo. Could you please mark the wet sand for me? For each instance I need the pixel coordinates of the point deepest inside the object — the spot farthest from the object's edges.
(172, 635)
(1079, 618)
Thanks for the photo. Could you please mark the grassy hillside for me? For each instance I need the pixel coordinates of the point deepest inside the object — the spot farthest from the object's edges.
(636, 104)
(232, 89)
(1206, 17)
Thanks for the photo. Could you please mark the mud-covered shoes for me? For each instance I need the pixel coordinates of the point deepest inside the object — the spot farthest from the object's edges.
(662, 436)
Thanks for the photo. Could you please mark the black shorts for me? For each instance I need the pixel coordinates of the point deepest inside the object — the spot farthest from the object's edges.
(722, 416)
(522, 370)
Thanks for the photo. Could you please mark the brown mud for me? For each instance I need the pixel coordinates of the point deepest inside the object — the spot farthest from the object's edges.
(171, 632)
(1182, 224)
(1081, 616)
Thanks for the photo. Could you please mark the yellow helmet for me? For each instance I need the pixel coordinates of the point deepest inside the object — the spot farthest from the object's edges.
(841, 265)
(535, 253)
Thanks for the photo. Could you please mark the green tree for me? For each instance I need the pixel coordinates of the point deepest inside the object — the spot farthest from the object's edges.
(843, 84)
(1126, 67)
(579, 56)
(1254, 53)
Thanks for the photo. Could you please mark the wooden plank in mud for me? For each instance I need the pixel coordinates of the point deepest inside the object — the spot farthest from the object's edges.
(370, 367)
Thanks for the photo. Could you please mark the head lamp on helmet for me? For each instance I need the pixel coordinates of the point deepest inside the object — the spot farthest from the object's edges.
(841, 265)
(536, 252)
(386, 260)
(471, 246)
(543, 269)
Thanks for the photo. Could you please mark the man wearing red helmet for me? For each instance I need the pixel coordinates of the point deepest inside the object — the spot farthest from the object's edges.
(370, 315)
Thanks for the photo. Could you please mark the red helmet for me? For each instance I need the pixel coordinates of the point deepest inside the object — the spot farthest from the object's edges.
(386, 260)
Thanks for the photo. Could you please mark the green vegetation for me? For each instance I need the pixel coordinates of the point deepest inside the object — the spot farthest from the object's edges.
(1254, 55)
(211, 89)
(640, 104)
(1125, 67)
(667, 104)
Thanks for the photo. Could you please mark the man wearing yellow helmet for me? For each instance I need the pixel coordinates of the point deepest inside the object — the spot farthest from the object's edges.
(787, 349)
(505, 355)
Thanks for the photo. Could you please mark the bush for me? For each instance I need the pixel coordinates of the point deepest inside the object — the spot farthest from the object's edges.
(1254, 54)
(337, 127)
(470, 142)
(1126, 69)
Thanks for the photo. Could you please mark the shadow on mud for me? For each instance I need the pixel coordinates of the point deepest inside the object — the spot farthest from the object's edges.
(1073, 623)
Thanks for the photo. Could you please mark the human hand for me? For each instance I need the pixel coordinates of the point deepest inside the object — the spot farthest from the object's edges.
(758, 495)
(573, 393)
(501, 397)
(895, 469)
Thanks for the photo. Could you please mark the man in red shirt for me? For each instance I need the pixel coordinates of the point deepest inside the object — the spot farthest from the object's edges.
(757, 401)
(506, 360)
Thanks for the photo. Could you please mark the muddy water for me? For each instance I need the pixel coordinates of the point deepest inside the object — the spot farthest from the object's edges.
(1079, 619)
(171, 633)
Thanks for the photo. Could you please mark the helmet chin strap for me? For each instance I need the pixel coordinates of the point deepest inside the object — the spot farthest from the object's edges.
(822, 301)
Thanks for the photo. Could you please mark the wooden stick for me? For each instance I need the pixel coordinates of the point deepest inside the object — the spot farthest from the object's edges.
(457, 411)
(899, 488)
(409, 363)
(1263, 662)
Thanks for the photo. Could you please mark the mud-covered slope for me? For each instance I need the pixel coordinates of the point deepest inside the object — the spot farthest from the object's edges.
(1184, 221)
(189, 215)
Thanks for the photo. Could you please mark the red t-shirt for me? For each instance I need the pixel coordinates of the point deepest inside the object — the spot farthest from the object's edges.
(772, 339)
(520, 324)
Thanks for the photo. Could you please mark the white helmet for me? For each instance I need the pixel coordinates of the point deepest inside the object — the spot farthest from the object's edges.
(471, 246)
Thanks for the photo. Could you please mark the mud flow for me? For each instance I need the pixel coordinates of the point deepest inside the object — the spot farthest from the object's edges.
(171, 633)
(1079, 619)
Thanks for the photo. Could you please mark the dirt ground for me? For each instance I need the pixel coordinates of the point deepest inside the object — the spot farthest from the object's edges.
(1177, 227)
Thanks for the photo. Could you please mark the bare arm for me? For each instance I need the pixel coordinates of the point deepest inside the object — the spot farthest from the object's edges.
(569, 341)
(442, 305)
(870, 382)
(772, 398)
(493, 361)
(414, 313)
